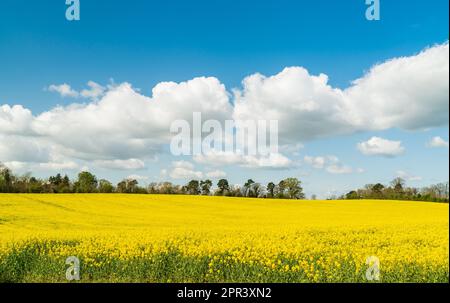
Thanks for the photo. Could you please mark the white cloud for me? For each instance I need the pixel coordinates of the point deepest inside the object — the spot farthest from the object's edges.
(68, 165)
(331, 164)
(316, 162)
(184, 170)
(138, 177)
(305, 105)
(65, 90)
(47, 166)
(219, 158)
(94, 92)
(16, 165)
(182, 173)
(15, 120)
(407, 176)
(437, 142)
(293, 149)
(183, 164)
(377, 146)
(216, 174)
(122, 125)
(274, 160)
(339, 169)
(129, 164)
(407, 93)
(119, 123)
(23, 149)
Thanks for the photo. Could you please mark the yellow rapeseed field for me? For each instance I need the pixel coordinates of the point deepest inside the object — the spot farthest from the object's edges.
(163, 238)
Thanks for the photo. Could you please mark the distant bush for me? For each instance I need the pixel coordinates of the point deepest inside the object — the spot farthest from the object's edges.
(397, 190)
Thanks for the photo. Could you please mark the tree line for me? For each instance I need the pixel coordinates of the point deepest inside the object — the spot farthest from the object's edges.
(397, 190)
(87, 182)
(290, 188)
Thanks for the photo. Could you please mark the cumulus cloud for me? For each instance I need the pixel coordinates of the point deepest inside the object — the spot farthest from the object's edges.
(184, 170)
(36, 166)
(377, 146)
(437, 142)
(67, 165)
(407, 93)
(293, 149)
(331, 164)
(23, 149)
(216, 174)
(94, 92)
(339, 169)
(120, 123)
(65, 90)
(15, 120)
(129, 164)
(316, 162)
(305, 105)
(219, 158)
(32, 153)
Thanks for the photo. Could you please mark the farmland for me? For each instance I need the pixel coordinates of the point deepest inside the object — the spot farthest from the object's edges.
(174, 238)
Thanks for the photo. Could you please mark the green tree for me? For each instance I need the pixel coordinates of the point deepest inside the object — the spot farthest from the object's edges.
(398, 184)
(257, 190)
(271, 190)
(224, 187)
(352, 195)
(280, 190)
(193, 187)
(35, 185)
(377, 190)
(55, 183)
(86, 183)
(167, 188)
(121, 187)
(248, 188)
(293, 188)
(129, 186)
(132, 186)
(65, 186)
(6, 179)
(206, 187)
(104, 186)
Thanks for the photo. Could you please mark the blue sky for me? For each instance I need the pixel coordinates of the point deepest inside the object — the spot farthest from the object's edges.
(148, 42)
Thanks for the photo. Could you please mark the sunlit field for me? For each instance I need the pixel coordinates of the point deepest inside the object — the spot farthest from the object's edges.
(162, 238)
